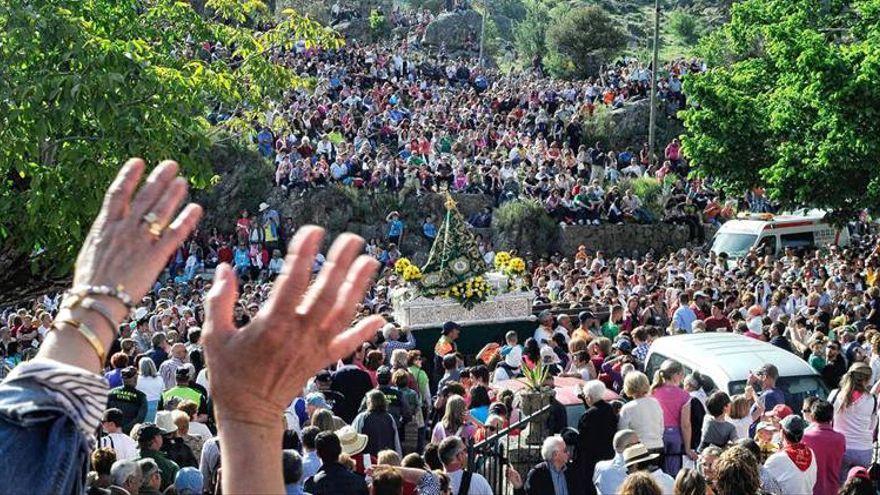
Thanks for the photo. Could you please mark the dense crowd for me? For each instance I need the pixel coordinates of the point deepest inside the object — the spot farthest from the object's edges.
(176, 389)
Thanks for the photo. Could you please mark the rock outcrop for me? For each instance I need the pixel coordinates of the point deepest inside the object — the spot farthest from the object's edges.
(456, 30)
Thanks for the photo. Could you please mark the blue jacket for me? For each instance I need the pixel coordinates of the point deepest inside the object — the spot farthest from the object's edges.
(43, 449)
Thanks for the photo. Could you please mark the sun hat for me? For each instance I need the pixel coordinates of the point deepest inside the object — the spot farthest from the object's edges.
(165, 422)
(637, 454)
(351, 441)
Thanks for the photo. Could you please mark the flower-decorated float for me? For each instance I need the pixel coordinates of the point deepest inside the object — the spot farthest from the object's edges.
(455, 284)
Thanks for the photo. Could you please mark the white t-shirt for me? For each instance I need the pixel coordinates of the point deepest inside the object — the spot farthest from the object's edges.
(645, 417)
(196, 428)
(151, 386)
(202, 379)
(790, 478)
(126, 448)
(666, 482)
(479, 485)
(742, 425)
(856, 422)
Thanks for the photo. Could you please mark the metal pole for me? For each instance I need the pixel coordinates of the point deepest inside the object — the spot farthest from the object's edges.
(652, 120)
(482, 31)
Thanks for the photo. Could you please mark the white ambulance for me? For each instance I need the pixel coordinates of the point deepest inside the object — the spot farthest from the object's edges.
(777, 232)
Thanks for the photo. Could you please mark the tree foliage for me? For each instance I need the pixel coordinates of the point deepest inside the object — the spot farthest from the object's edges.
(529, 33)
(86, 83)
(684, 25)
(582, 40)
(791, 103)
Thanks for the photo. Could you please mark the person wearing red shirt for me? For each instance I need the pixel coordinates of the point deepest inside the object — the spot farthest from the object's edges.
(224, 254)
(718, 321)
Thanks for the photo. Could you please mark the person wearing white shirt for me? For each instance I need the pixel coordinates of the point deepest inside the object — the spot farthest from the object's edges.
(151, 384)
(125, 447)
(638, 458)
(609, 475)
(453, 455)
(544, 332)
(642, 414)
(794, 466)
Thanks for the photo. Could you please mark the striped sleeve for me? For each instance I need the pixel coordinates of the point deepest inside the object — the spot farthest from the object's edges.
(82, 393)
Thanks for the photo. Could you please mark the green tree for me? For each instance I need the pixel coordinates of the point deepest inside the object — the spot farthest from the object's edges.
(583, 39)
(684, 25)
(791, 102)
(529, 33)
(86, 84)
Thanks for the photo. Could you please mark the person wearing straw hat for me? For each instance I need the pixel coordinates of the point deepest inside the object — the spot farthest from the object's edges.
(637, 458)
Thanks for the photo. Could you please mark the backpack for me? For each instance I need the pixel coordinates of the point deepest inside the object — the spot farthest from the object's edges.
(465, 485)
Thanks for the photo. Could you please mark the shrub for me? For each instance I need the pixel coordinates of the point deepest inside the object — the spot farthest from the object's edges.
(524, 225)
(378, 24)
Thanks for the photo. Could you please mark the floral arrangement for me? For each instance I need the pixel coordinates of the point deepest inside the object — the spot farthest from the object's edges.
(502, 258)
(409, 272)
(470, 292)
(516, 266)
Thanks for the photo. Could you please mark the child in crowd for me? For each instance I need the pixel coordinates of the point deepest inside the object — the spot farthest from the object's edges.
(717, 430)
(511, 340)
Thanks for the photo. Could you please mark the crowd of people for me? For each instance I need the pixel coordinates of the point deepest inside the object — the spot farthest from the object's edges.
(152, 376)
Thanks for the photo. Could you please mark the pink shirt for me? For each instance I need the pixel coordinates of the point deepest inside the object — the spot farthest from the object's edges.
(671, 399)
(828, 446)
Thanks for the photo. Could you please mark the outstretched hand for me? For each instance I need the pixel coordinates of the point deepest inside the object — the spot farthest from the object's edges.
(257, 370)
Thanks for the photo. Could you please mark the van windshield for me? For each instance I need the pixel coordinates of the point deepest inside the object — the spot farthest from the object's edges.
(795, 388)
(735, 245)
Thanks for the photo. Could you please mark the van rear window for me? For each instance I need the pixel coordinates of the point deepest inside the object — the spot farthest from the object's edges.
(795, 388)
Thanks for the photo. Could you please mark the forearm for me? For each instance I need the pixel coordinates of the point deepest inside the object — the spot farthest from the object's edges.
(68, 346)
(251, 458)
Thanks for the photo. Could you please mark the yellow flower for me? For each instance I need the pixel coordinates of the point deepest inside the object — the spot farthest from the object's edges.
(401, 265)
(469, 293)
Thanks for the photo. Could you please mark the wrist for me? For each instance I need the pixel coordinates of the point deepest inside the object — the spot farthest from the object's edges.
(95, 321)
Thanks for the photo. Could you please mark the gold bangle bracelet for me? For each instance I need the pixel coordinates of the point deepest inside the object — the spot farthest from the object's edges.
(86, 332)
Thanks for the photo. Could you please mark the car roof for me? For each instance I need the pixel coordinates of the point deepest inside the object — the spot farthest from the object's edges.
(567, 389)
(728, 355)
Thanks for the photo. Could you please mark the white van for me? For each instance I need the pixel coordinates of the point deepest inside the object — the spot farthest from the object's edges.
(776, 232)
(728, 358)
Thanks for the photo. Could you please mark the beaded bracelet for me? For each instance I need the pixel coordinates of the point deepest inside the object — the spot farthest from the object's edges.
(86, 332)
(117, 292)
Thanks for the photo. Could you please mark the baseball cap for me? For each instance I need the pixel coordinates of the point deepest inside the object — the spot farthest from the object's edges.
(585, 315)
(450, 326)
(129, 372)
(781, 411)
(548, 355)
(147, 431)
(317, 399)
(793, 424)
(189, 481)
(383, 371)
(323, 376)
(765, 425)
(182, 372)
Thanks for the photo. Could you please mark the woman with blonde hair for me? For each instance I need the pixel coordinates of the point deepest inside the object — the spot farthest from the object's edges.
(639, 483)
(151, 384)
(456, 421)
(690, 482)
(855, 416)
(676, 405)
(642, 413)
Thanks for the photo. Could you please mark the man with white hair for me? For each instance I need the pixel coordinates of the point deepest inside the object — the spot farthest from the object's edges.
(609, 475)
(596, 430)
(551, 476)
(126, 477)
(391, 333)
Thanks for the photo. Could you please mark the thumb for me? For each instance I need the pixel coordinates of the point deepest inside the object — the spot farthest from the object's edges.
(220, 301)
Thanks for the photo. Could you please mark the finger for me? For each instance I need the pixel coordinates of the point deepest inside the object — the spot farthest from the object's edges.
(118, 197)
(180, 229)
(346, 342)
(357, 281)
(153, 189)
(219, 304)
(291, 285)
(322, 295)
(170, 200)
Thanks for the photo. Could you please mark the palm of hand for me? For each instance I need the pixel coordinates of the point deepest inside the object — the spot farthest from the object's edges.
(300, 329)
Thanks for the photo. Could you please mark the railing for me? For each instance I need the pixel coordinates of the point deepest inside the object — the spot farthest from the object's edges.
(509, 446)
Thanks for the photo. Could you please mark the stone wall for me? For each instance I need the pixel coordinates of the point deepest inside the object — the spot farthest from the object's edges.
(340, 211)
(624, 239)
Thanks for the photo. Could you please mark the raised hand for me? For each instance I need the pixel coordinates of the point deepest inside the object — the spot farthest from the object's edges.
(255, 371)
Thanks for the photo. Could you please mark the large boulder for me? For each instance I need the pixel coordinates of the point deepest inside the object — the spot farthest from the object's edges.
(457, 30)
